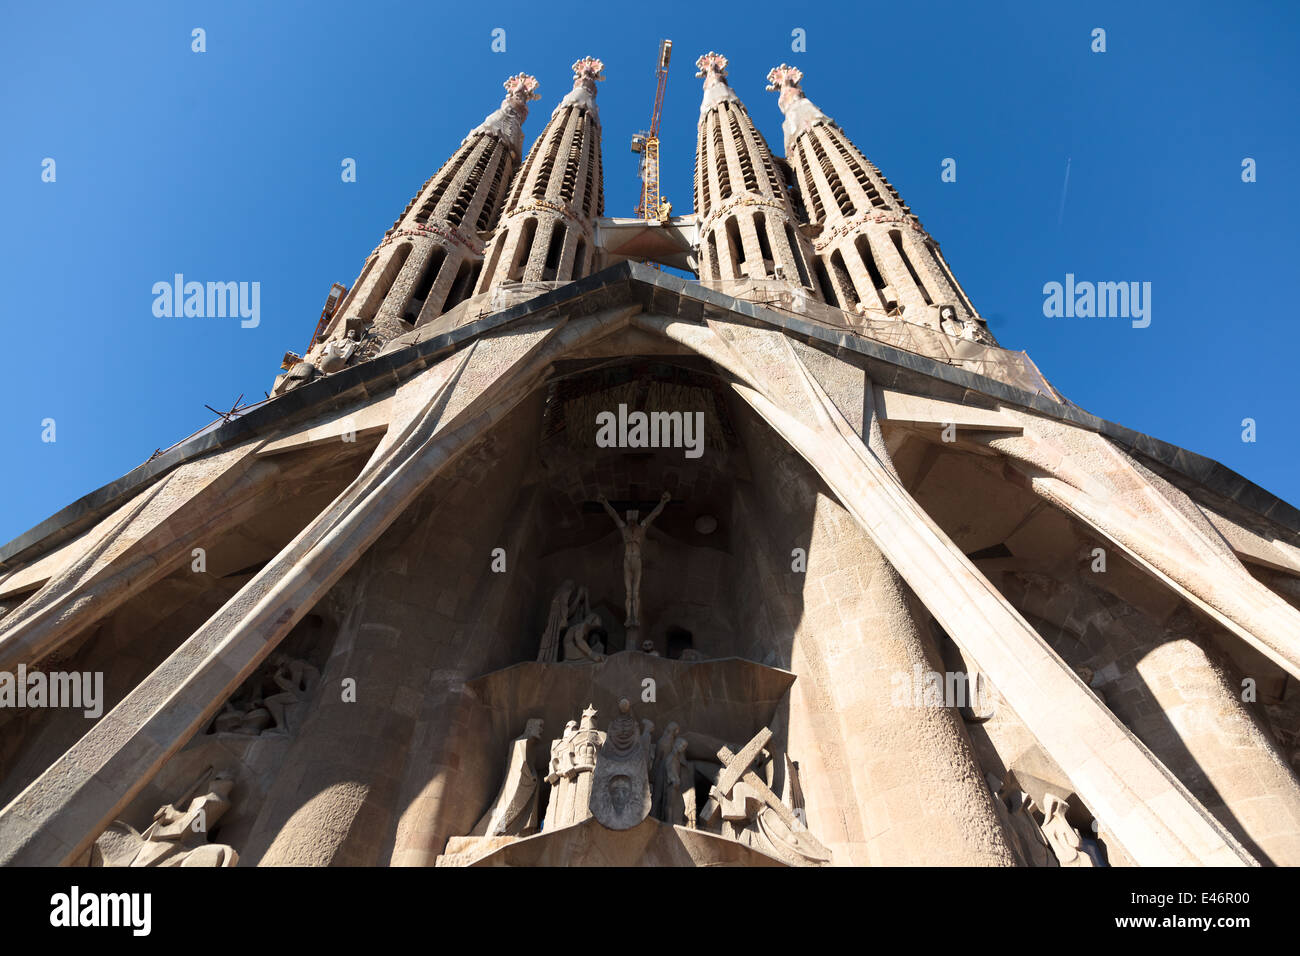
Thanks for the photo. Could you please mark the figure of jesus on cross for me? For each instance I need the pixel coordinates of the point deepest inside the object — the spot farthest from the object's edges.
(633, 532)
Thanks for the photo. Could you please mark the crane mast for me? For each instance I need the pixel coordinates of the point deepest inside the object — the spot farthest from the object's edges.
(652, 205)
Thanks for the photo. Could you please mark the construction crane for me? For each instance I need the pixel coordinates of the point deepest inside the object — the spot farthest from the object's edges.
(646, 143)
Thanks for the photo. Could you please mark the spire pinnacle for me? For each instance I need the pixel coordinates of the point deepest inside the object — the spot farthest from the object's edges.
(586, 73)
(507, 121)
(801, 114)
(713, 69)
(521, 89)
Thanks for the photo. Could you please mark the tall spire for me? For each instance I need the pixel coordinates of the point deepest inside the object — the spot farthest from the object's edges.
(873, 257)
(429, 260)
(548, 229)
(748, 227)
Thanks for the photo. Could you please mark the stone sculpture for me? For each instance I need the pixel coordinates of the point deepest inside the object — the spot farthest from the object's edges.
(679, 788)
(177, 837)
(296, 680)
(514, 812)
(1061, 837)
(300, 374)
(251, 714)
(573, 759)
(579, 644)
(753, 815)
(658, 776)
(337, 353)
(569, 606)
(633, 532)
(620, 789)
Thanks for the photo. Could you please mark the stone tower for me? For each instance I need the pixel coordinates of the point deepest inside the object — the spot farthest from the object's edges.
(430, 258)
(546, 233)
(898, 600)
(748, 228)
(873, 256)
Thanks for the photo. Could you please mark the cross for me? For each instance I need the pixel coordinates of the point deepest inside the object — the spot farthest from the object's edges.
(624, 506)
(738, 768)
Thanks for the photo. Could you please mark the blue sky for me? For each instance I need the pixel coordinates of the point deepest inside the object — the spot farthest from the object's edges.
(225, 166)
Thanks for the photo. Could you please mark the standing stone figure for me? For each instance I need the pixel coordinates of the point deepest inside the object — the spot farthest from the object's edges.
(658, 777)
(633, 532)
(514, 811)
(573, 759)
(569, 606)
(679, 788)
(557, 775)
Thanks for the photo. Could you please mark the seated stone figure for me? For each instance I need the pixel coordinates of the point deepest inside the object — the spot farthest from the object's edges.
(577, 646)
(177, 837)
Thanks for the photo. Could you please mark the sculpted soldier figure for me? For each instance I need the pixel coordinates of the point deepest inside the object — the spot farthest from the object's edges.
(633, 532)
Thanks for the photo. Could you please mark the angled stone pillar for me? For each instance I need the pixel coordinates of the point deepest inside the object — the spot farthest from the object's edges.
(1157, 525)
(55, 819)
(142, 542)
(1145, 807)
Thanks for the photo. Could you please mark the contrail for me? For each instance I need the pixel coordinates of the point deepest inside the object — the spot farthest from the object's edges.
(1065, 187)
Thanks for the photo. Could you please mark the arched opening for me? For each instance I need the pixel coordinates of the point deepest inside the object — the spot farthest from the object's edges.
(580, 258)
(392, 267)
(461, 285)
(824, 280)
(862, 245)
(897, 238)
(845, 281)
(734, 248)
(432, 266)
(554, 250)
(764, 244)
(498, 244)
(522, 250)
(795, 251)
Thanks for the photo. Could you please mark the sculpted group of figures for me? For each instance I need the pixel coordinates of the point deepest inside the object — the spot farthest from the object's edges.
(254, 711)
(270, 703)
(623, 775)
(574, 632)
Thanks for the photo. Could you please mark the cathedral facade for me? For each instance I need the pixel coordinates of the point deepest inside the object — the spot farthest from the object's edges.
(543, 555)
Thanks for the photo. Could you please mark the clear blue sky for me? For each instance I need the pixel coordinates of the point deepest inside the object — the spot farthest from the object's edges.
(225, 166)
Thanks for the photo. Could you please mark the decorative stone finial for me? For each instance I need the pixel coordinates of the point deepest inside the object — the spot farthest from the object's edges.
(801, 114)
(586, 72)
(507, 121)
(522, 89)
(712, 67)
(785, 78)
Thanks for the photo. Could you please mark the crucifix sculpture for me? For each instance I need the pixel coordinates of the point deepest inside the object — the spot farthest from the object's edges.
(633, 531)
